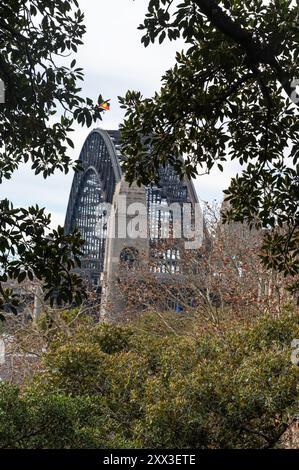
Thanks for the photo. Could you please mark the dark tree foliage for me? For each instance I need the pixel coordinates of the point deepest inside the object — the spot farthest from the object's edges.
(37, 39)
(230, 96)
(28, 249)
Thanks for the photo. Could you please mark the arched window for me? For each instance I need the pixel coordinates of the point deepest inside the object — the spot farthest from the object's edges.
(129, 257)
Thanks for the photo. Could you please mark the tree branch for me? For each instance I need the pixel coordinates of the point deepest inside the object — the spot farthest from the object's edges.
(255, 51)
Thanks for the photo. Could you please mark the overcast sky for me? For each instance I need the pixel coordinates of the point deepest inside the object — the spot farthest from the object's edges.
(114, 61)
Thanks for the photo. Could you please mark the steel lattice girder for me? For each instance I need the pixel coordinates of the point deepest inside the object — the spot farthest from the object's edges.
(100, 159)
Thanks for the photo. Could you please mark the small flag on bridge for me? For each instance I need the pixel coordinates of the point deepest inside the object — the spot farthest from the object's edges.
(104, 105)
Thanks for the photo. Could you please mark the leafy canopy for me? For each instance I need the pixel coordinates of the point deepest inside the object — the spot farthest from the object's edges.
(230, 96)
(38, 39)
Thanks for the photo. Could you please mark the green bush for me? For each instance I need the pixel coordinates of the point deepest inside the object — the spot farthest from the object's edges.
(113, 386)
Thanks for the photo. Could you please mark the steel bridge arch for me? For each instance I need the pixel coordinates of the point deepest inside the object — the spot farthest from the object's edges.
(100, 159)
(91, 187)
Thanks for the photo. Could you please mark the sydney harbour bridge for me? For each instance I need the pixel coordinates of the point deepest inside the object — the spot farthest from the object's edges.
(96, 185)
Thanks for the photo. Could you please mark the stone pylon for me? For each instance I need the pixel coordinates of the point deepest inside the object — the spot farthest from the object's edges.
(127, 244)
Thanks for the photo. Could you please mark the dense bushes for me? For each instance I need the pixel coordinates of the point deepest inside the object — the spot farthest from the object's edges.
(146, 385)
